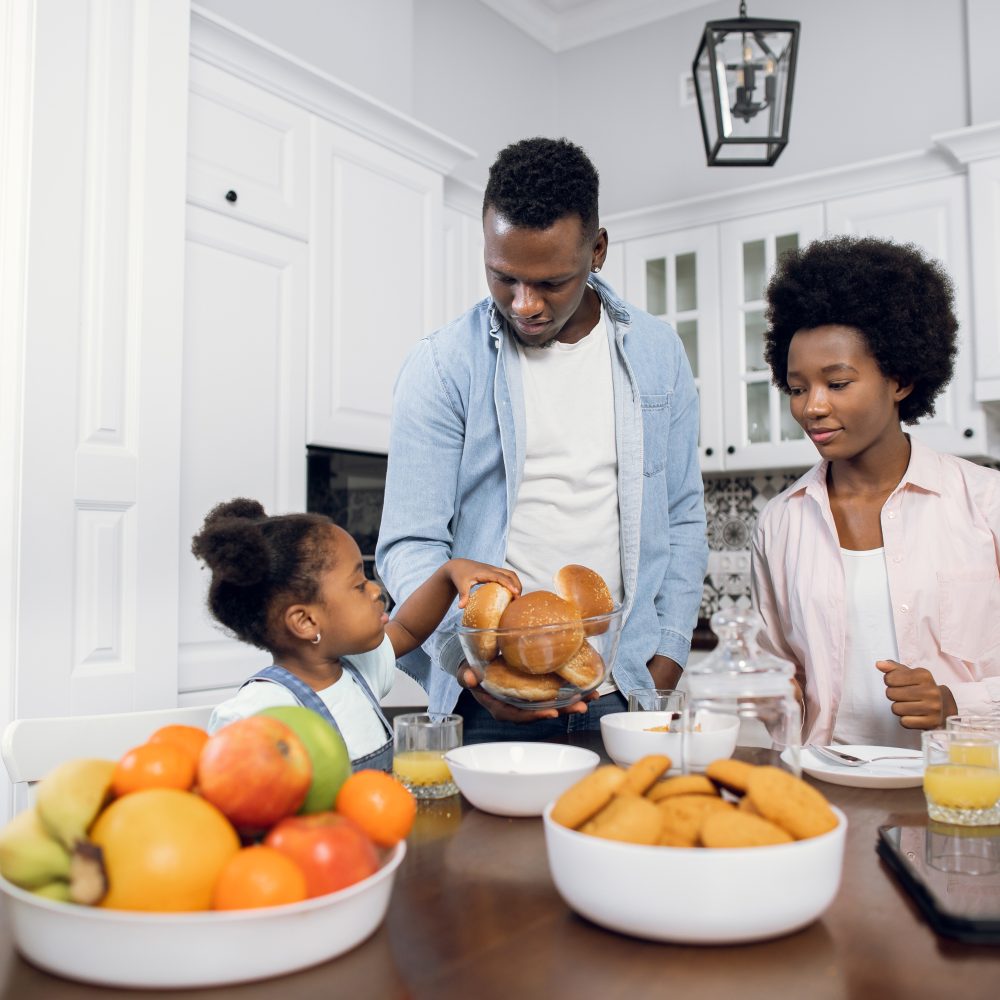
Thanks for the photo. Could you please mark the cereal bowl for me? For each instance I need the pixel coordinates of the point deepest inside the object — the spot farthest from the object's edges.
(211, 948)
(517, 779)
(569, 659)
(696, 895)
(630, 735)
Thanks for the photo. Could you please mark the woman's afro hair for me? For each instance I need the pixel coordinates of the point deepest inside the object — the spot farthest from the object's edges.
(898, 299)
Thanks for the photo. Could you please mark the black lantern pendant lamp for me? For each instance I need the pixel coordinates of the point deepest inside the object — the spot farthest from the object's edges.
(743, 76)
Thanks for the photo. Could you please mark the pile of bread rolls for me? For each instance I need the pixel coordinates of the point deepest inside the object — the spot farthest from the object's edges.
(542, 645)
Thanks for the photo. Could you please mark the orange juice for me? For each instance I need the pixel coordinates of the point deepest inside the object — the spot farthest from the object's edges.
(963, 786)
(977, 754)
(421, 767)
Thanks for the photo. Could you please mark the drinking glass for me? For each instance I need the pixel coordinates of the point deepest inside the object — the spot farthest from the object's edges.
(657, 700)
(959, 850)
(421, 741)
(974, 723)
(962, 776)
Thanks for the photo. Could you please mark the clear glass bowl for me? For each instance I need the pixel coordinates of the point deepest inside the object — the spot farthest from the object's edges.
(543, 666)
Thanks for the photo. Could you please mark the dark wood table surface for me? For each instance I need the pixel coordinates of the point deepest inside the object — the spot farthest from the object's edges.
(474, 913)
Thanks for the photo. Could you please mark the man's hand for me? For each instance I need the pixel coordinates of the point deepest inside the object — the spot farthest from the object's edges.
(919, 702)
(503, 712)
(664, 671)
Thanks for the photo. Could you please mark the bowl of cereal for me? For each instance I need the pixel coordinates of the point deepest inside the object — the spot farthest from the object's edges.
(746, 869)
(542, 649)
(628, 736)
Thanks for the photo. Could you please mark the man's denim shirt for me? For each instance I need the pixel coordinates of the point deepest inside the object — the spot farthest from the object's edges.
(456, 456)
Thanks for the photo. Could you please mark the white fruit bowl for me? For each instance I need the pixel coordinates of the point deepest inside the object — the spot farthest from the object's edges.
(171, 950)
(696, 895)
(627, 736)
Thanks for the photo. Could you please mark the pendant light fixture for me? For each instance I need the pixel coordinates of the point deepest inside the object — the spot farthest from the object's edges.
(744, 74)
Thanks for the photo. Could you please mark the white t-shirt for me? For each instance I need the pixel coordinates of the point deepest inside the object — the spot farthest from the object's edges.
(567, 503)
(865, 715)
(357, 720)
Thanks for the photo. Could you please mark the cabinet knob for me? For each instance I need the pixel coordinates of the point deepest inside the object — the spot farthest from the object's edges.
(709, 451)
(968, 432)
(731, 450)
(230, 196)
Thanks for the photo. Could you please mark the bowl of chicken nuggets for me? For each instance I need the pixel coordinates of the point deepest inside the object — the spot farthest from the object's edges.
(753, 852)
(545, 648)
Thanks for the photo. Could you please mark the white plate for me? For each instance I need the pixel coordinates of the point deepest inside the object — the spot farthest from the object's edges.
(880, 774)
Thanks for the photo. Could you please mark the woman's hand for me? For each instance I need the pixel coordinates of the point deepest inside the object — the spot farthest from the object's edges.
(919, 702)
(503, 712)
(466, 573)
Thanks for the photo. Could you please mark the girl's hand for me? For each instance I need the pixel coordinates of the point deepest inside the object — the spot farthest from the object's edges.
(465, 573)
(919, 702)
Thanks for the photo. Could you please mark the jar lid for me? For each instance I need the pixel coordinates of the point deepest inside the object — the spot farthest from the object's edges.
(739, 657)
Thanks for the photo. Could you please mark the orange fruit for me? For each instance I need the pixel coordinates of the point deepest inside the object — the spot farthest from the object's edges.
(258, 876)
(379, 804)
(153, 765)
(189, 738)
(163, 850)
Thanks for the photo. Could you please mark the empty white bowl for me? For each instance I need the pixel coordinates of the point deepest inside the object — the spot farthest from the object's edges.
(211, 948)
(696, 895)
(517, 779)
(627, 737)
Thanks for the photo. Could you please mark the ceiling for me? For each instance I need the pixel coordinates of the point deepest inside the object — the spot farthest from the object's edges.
(564, 24)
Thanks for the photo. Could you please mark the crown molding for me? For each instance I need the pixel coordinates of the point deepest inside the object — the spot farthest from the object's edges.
(977, 142)
(228, 47)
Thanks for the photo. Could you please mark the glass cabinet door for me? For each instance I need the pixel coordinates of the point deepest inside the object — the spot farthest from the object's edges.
(675, 277)
(759, 429)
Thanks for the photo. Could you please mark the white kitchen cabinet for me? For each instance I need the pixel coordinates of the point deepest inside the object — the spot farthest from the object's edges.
(933, 216)
(248, 151)
(675, 276)
(246, 317)
(376, 252)
(984, 201)
(759, 431)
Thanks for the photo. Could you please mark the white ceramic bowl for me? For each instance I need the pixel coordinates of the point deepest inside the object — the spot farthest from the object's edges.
(517, 779)
(169, 950)
(627, 738)
(696, 895)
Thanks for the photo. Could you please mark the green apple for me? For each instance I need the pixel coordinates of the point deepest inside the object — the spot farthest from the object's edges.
(327, 751)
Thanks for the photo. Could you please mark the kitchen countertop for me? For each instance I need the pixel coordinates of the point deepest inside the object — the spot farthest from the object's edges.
(474, 913)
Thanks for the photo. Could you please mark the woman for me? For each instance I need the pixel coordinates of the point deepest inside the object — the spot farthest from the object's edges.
(876, 573)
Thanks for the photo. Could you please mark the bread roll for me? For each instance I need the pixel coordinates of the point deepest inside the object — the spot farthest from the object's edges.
(540, 650)
(585, 668)
(588, 591)
(486, 605)
(504, 681)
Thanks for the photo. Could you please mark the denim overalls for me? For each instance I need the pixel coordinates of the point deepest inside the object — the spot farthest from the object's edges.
(380, 759)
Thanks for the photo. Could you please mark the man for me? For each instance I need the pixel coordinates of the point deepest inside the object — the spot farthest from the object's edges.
(550, 424)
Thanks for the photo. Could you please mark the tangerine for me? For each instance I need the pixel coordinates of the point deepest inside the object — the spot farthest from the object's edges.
(258, 876)
(382, 806)
(189, 738)
(153, 765)
(163, 850)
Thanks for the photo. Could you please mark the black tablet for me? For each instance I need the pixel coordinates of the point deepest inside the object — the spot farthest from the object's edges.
(953, 872)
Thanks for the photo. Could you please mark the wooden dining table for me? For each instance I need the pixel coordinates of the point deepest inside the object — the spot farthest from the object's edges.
(474, 913)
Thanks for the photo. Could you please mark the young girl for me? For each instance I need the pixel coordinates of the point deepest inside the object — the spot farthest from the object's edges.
(877, 572)
(294, 585)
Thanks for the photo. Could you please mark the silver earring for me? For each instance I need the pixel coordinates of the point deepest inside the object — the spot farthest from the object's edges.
(595, 269)
(315, 641)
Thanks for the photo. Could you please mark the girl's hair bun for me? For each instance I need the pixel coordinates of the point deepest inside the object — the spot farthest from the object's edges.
(232, 545)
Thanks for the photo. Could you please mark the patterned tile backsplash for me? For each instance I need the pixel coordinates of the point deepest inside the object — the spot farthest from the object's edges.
(731, 508)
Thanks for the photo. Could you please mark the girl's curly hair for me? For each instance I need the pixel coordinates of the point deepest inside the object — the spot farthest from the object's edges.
(898, 299)
(260, 564)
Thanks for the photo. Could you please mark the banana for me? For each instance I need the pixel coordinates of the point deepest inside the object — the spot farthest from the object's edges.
(29, 857)
(57, 890)
(71, 795)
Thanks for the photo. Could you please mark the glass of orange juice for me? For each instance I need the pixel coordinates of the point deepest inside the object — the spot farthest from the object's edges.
(421, 740)
(962, 776)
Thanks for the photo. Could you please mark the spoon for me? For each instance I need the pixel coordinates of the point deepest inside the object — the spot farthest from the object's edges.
(849, 760)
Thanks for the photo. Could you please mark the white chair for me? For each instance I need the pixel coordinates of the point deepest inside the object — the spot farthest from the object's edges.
(32, 747)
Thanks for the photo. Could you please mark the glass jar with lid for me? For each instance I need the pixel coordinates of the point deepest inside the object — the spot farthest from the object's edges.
(739, 680)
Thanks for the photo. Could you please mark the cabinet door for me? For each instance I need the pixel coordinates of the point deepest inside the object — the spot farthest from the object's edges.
(931, 215)
(464, 274)
(674, 276)
(243, 424)
(760, 432)
(248, 152)
(984, 198)
(376, 269)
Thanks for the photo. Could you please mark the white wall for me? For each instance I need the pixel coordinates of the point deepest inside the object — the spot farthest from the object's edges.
(983, 27)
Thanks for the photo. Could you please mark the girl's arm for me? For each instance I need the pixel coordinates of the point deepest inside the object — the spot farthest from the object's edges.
(421, 613)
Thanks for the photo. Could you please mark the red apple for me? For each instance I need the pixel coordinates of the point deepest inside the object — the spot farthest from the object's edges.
(333, 851)
(256, 771)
